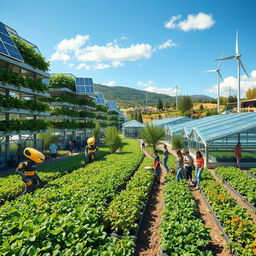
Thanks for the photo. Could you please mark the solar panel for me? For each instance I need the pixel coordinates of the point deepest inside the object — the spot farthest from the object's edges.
(84, 85)
(112, 105)
(7, 46)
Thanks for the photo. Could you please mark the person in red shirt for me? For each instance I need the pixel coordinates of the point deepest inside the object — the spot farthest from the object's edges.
(157, 166)
(199, 168)
(238, 154)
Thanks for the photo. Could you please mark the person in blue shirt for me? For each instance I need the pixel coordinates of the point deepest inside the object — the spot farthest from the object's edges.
(165, 158)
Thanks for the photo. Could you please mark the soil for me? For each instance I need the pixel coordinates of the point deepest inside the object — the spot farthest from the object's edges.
(217, 244)
(148, 242)
(240, 202)
(149, 238)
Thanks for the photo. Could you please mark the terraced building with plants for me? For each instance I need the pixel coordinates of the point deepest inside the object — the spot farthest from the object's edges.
(33, 102)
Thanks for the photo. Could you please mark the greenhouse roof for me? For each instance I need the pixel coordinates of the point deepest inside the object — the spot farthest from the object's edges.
(169, 121)
(133, 124)
(214, 127)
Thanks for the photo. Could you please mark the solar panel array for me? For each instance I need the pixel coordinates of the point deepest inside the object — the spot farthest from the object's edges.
(7, 46)
(112, 105)
(84, 86)
(100, 98)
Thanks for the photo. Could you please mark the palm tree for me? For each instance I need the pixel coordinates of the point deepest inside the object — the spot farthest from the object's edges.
(152, 135)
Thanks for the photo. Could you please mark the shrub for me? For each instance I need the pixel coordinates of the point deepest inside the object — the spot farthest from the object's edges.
(113, 139)
(177, 142)
(60, 81)
(152, 134)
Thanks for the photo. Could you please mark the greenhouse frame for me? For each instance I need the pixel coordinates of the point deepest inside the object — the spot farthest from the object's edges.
(132, 129)
(217, 136)
(171, 121)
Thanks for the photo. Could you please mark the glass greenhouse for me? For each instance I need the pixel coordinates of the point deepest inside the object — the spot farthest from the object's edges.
(217, 136)
(171, 121)
(132, 129)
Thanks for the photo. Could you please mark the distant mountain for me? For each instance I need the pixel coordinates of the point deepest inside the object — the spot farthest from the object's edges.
(130, 97)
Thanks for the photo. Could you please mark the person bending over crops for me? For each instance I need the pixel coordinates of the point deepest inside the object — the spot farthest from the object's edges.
(27, 169)
(157, 167)
(179, 166)
(199, 168)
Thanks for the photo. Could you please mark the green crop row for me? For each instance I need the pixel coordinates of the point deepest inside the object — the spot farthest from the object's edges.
(253, 171)
(238, 225)
(12, 185)
(123, 213)
(183, 233)
(240, 181)
(67, 216)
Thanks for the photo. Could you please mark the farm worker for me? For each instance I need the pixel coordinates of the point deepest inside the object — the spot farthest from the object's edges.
(157, 166)
(27, 169)
(199, 168)
(179, 166)
(165, 158)
(188, 163)
(91, 149)
(238, 154)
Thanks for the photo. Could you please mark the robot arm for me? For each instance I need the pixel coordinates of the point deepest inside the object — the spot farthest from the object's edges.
(38, 178)
(20, 169)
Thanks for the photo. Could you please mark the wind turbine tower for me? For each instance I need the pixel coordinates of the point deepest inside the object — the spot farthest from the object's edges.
(219, 77)
(237, 56)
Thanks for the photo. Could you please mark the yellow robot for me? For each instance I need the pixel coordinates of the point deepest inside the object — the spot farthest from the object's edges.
(91, 149)
(27, 169)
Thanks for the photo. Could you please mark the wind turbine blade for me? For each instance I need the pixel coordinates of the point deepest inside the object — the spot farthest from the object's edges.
(220, 76)
(213, 70)
(241, 64)
(226, 58)
(220, 59)
(237, 50)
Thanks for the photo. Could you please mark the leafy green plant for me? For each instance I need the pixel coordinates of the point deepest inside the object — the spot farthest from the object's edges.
(152, 134)
(31, 56)
(113, 139)
(19, 125)
(72, 125)
(32, 105)
(240, 181)
(112, 112)
(101, 117)
(66, 217)
(183, 233)
(12, 78)
(123, 212)
(102, 108)
(177, 142)
(62, 81)
(97, 131)
(238, 225)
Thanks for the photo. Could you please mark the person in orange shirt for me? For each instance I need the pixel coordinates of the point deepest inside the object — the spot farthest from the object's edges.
(238, 154)
(199, 168)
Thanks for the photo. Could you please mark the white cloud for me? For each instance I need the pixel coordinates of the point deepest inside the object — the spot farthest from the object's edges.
(99, 56)
(168, 91)
(111, 83)
(145, 84)
(167, 44)
(230, 85)
(171, 22)
(199, 21)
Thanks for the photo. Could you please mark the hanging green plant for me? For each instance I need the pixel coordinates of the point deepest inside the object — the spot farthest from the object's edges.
(31, 56)
(62, 81)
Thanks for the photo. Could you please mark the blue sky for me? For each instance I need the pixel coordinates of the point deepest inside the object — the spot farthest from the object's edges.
(128, 43)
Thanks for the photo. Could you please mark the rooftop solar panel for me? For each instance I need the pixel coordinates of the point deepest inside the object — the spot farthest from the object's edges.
(7, 46)
(84, 85)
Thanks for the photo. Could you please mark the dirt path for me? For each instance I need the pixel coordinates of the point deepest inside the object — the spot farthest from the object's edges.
(217, 244)
(148, 242)
(238, 199)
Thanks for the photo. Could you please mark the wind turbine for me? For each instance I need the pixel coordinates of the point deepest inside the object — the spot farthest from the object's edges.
(176, 87)
(239, 65)
(219, 77)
